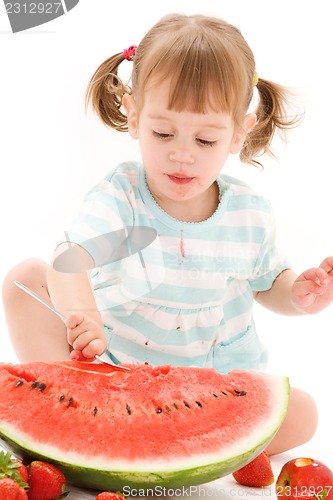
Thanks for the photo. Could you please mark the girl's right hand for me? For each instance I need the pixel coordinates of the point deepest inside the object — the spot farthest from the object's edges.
(86, 336)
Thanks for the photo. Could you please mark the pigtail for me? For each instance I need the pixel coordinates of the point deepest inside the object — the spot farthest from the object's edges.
(272, 115)
(105, 92)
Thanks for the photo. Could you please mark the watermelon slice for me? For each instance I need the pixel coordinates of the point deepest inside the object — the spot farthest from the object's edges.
(147, 427)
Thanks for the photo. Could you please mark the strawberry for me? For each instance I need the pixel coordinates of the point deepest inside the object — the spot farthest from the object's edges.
(46, 482)
(12, 468)
(22, 470)
(256, 473)
(11, 490)
(110, 495)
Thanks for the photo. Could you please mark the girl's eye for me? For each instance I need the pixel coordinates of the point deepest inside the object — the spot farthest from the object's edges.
(161, 135)
(203, 142)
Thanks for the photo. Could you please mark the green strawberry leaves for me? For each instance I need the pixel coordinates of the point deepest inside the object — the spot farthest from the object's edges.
(8, 468)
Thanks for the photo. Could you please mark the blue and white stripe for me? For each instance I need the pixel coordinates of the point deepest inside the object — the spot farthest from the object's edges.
(187, 297)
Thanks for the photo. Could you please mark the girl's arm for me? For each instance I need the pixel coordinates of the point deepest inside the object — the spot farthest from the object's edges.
(72, 294)
(278, 297)
(308, 293)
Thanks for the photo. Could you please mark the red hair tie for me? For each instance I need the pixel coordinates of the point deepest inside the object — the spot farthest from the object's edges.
(130, 52)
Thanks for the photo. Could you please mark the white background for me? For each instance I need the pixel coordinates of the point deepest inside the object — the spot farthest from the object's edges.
(52, 152)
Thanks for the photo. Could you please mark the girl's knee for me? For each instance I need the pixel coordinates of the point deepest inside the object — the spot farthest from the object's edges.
(299, 425)
(29, 272)
(303, 414)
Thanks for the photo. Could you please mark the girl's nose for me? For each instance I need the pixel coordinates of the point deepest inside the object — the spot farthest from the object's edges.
(182, 153)
(182, 156)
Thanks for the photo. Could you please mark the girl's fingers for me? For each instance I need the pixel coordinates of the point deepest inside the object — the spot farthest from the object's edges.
(327, 265)
(78, 356)
(87, 346)
(76, 326)
(82, 340)
(74, 320)
(95, 347)
(315, 275)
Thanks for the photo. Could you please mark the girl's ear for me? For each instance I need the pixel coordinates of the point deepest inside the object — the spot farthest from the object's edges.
(241, 132)
(130, 107)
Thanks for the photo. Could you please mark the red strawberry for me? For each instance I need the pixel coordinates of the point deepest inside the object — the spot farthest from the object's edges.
(21, 469)
(256, 473)
(11, 490)
(12, 468)
(46, 482)
(110, 495)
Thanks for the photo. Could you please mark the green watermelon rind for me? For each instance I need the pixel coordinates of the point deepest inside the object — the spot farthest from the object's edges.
(87, 477)
(104, 479)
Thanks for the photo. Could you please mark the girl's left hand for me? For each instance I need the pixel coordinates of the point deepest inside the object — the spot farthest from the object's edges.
(313, 289)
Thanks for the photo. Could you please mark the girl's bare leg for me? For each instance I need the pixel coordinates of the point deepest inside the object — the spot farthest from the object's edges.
(36, 333)
(299, 425)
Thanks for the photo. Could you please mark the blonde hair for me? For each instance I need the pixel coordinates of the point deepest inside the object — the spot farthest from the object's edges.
(209, 65)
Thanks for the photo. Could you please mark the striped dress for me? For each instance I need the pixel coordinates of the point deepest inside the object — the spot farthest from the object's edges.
(173, 292)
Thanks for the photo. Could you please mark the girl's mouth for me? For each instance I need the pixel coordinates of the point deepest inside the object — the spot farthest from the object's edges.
(180, 178)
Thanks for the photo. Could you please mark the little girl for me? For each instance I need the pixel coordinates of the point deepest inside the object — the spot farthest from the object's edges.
(166, 256)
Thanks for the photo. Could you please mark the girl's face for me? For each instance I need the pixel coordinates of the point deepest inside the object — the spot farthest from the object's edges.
(183, 152)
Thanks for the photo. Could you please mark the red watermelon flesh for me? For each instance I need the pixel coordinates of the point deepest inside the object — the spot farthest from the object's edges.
(163, 425)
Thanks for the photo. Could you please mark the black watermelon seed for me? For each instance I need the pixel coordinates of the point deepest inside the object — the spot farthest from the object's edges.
(95, 411)
(174, 404)
(225, 394)
(34, 385)
(158, 410)
(42, 387)
(186, 404)
(18, 383)
(128, 409)
(62, 398)
(70, 401)
(199, 404)
(215, 395)
(240, 393)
